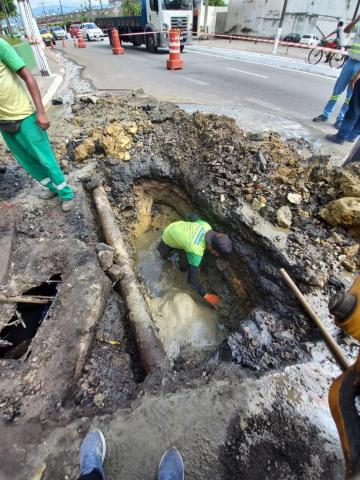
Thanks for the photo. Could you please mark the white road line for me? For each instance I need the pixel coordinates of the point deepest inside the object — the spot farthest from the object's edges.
(248, 73)
(263, 65)
(193, 80)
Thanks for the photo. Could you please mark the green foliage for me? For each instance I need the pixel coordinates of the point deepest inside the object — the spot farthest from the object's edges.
(11, 41)
(10, 8)
(130, 7)
(216, 3)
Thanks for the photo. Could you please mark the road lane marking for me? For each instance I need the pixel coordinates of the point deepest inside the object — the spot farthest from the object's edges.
(193, 80)
(248, 73)
(263, 65)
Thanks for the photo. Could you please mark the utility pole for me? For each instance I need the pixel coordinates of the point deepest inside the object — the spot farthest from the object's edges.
(61, 9)
(33, 36)
(278, 31)
(102, 10)
(42, 3)
(356, 13)
(206, 18)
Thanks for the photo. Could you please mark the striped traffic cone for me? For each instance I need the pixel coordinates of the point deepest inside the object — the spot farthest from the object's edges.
(116, 43)
(174, 61)
(81, 42)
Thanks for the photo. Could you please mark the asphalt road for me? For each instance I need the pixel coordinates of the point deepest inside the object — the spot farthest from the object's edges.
(260, 97)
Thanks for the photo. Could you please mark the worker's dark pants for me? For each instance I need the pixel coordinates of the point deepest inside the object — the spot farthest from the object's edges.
(94, 475)
(350, 127)
(166, 252)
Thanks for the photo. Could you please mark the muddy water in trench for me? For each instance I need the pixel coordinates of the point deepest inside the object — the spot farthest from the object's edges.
(184, 322)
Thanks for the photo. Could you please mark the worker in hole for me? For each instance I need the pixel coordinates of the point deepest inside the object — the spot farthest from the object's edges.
(190, 239)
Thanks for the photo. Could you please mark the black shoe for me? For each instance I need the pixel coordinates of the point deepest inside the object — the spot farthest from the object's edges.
(335, 139)
(320, 118)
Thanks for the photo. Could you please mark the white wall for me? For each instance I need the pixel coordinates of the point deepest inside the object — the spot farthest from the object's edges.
(261, 17)
(211, 20)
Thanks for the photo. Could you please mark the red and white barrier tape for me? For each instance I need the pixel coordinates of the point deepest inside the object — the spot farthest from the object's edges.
(281, 42)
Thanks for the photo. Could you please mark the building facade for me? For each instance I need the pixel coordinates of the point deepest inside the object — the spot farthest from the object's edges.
(261, 17)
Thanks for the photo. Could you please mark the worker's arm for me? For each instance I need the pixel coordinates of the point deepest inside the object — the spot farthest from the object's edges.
(41, 117)
(211, 298)
(193, 280)
(348, 28)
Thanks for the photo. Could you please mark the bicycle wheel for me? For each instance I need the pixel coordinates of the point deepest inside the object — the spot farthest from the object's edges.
(315, 56)
(337, 60)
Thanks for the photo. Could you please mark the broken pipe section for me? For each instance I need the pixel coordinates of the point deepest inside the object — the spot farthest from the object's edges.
(151, 351)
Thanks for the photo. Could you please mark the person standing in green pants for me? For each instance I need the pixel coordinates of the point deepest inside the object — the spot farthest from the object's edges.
(23, 127)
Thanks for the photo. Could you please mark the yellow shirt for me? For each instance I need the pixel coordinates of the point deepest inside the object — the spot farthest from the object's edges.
(14, 101)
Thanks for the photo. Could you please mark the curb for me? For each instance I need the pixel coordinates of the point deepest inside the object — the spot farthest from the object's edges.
(56, 82)
(271, 60)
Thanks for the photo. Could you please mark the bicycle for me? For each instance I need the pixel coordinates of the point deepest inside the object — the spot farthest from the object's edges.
(335, 60)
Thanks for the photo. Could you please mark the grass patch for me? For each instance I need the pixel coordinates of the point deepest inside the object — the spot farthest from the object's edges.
(10, 40)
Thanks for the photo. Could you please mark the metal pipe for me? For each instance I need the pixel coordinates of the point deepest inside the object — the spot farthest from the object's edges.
(332, 345)
(151, 351)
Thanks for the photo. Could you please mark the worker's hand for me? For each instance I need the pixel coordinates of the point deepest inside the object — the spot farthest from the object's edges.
(42, 120)
(212, 299)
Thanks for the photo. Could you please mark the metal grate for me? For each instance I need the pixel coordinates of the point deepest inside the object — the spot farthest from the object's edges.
(179, 22)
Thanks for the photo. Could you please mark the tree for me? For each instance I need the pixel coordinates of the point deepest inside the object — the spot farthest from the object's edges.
(130, 7)
(7, 7)
(216, 3)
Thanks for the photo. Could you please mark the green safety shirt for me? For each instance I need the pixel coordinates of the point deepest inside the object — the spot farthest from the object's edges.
(188, 236)
(354, 52)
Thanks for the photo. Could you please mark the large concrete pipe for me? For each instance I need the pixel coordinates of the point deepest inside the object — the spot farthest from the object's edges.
(151, 351)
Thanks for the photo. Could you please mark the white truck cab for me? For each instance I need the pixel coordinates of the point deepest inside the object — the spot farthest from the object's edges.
(163, 15)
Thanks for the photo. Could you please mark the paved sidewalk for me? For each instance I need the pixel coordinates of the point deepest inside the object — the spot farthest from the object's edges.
(49, 85)
(287, 57)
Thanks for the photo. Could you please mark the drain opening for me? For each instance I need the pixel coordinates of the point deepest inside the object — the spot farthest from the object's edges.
(22, 327)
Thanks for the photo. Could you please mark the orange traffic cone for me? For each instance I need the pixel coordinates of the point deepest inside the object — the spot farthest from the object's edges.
(116, 43)
(81, 42)
(174, 61)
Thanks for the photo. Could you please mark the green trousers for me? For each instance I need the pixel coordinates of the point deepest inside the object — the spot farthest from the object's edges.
(31, 148)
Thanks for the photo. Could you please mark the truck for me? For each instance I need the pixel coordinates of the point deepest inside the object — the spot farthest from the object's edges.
(153, 24)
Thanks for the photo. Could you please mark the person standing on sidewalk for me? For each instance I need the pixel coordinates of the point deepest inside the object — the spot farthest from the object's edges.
(350, 127)
(350, 68)
(24, 130)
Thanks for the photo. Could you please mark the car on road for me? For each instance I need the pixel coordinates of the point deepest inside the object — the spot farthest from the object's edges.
(310, 39)
(292, 37)
(74, 28)
(47, 36)
(58, 32)
(90, 31)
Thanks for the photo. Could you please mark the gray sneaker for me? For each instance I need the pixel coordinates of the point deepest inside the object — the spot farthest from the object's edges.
(46, 194)
(68, 205)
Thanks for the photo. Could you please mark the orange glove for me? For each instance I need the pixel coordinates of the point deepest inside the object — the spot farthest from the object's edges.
(212, 299)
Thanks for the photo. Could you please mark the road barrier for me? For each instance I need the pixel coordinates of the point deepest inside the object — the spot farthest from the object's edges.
(117, 47)
(80, 41)
(174, 61)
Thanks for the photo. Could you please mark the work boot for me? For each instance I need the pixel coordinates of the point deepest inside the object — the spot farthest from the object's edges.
(68, 205)
(320, 118)
(92, 453)
(171, 465)
(337, 124)
(335, 139)
(46, 194)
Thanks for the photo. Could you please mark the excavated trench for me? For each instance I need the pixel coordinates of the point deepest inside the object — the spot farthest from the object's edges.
(257, 324)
